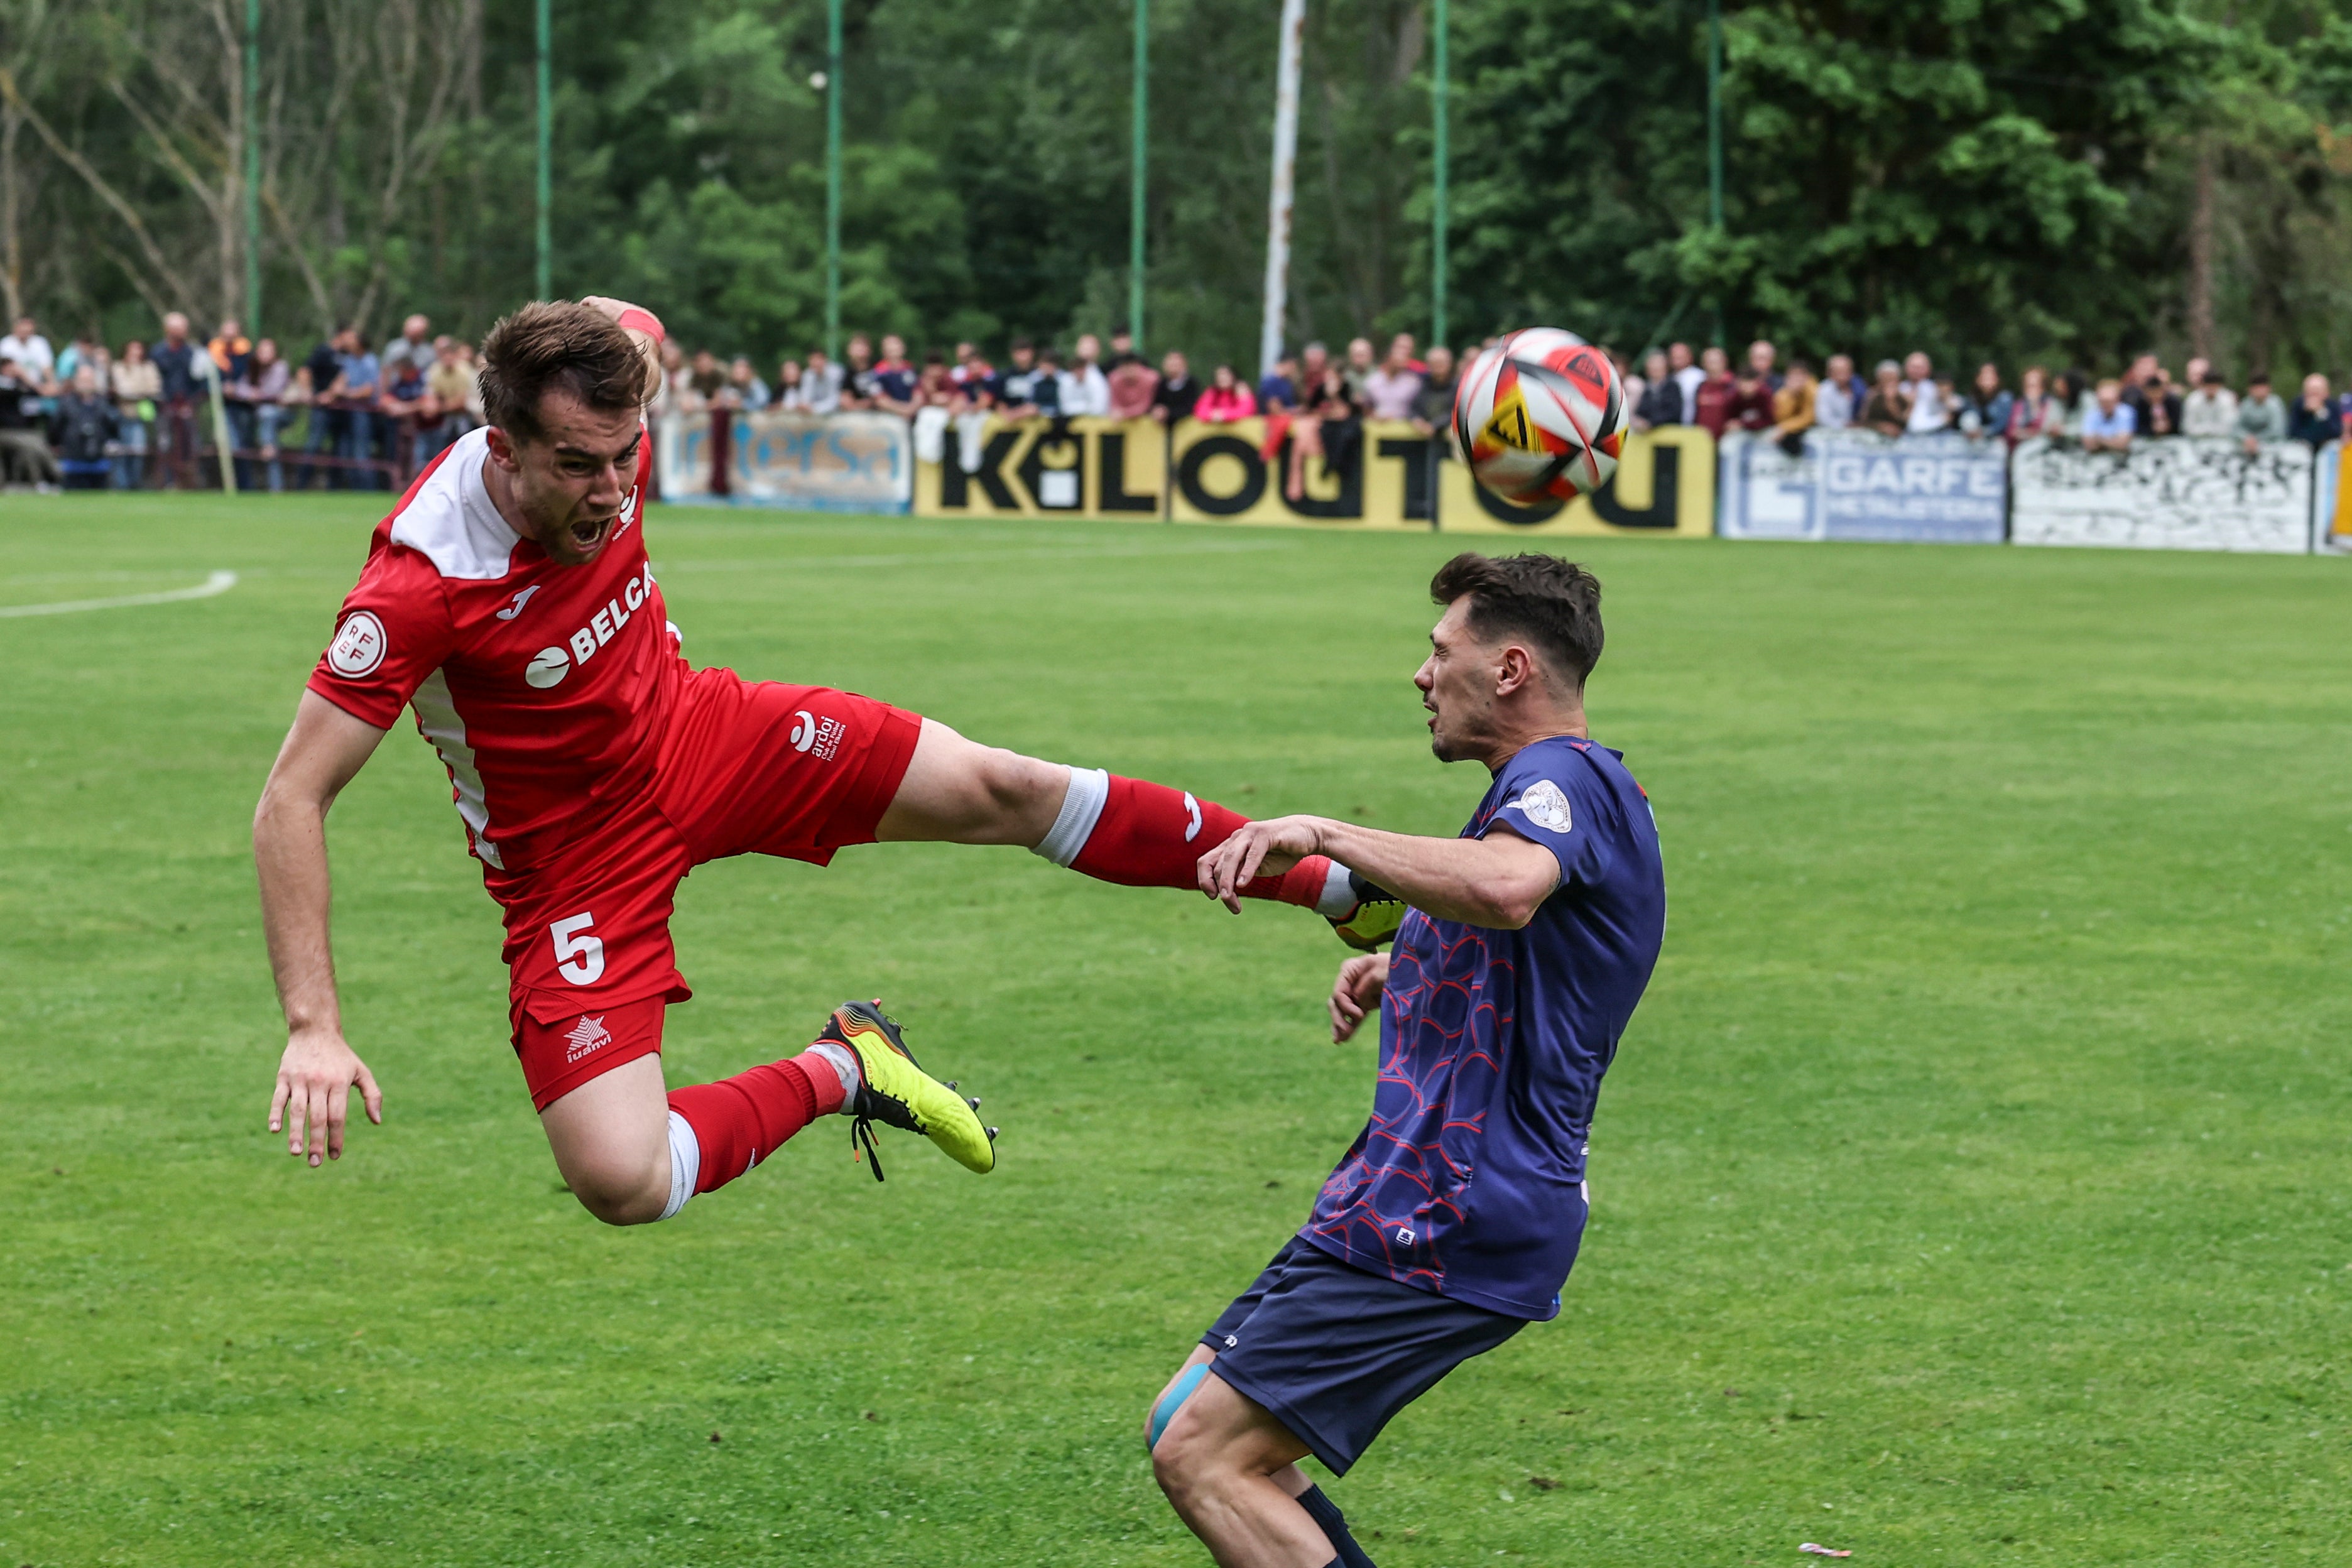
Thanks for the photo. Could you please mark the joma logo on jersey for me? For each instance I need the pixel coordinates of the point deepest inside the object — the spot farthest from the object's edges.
(818, 737)
(551, 665)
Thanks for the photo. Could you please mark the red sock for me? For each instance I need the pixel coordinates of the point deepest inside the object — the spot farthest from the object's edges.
(741, 1120)
(1150, 836)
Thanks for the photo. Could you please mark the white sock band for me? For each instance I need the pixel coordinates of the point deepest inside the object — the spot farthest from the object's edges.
(684, 1162)
(843, 1063)
(1082, 807)
(1339, 894)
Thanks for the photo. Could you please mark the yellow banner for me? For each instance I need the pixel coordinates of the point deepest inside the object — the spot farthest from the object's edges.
(1046, 468)
(1665, 485)
(1664, 488)
(1377, 478)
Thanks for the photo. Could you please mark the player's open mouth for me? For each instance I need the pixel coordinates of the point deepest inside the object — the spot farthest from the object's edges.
(589, 532)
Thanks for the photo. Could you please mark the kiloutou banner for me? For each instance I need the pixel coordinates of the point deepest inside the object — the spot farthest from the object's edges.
(1240, 472)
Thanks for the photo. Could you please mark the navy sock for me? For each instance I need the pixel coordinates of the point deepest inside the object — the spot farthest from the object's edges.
(1334, 1525)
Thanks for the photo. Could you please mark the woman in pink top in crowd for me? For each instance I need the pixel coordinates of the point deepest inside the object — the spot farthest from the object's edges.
(1225, 399)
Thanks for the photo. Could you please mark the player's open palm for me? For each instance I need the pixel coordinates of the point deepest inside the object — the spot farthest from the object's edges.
(314, 1089)
(1355, 992)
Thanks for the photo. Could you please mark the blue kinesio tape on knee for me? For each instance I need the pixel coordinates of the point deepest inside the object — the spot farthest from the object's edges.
(1172, 1401)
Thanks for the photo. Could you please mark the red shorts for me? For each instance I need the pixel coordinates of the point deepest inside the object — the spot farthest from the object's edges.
(747, 767)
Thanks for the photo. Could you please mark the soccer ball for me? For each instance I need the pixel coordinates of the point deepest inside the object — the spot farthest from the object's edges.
(1541, 416)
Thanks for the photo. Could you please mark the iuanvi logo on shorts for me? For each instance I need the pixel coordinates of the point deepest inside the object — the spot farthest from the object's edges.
(548, 665)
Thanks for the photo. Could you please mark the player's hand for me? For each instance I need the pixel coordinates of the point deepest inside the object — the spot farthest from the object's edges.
(1355, 992)
(314, 1088)
(1273, 847)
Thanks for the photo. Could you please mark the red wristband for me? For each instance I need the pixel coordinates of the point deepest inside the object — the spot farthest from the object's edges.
(638, 319)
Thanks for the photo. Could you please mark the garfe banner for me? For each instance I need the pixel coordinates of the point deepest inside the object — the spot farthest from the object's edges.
(1041, 468)
(842, 462)
(1664, 488)
(2166, 492)
(1858, 485)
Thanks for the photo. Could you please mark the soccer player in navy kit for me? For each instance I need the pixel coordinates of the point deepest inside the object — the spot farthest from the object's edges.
(1454, 1217)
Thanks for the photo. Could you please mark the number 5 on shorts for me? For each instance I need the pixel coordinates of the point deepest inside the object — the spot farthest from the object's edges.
(578, 958)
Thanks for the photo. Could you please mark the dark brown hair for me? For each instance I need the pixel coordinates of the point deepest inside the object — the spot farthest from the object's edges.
(1555, 605)
(551, 345)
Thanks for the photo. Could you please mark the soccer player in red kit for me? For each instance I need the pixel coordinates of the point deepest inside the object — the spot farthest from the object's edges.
(509, 603)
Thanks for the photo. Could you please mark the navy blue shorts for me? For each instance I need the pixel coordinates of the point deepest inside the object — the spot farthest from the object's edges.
(1335, 1353)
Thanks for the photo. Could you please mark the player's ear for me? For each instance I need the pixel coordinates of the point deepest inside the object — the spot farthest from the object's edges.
(1514, 669)
(502, 451)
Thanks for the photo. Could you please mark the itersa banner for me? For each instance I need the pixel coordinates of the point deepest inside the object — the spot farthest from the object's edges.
(1858, 485)
(841, 462)
(2166, 492)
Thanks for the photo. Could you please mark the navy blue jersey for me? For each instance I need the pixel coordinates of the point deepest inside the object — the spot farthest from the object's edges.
(1468, 1180)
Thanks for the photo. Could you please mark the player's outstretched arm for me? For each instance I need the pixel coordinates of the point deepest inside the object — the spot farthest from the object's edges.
(323, 752)
(1497, 882)
(644, 329)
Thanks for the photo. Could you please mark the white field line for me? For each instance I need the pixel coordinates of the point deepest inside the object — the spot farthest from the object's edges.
(218, 582)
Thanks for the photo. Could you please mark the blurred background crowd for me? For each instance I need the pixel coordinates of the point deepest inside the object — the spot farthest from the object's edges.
(352, 413)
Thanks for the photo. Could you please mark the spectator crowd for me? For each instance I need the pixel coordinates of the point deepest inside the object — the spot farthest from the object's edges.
(1911, 398)
(350, 415)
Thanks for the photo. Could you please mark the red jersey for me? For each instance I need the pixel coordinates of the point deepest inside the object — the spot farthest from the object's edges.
(546, 688)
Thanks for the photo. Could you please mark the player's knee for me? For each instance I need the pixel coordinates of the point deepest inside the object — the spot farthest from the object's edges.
(1014, 784)
(620, 1196)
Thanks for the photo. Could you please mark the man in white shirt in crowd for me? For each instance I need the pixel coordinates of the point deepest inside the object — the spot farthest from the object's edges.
(1839, 397)
(1391, 388)
(2211, 408)
(1930, 412)
(35, 361)
(1085, 389)
(821, 384)
(1686, 375)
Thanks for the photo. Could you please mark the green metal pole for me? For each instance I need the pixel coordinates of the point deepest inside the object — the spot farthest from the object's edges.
(1437, 196)
(833, 181)
(546, 129)
(1715, 132)
(253, 169)
(1135, 194)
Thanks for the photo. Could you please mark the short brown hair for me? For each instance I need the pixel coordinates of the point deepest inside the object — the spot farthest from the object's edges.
(558, 345)
(1554, 604)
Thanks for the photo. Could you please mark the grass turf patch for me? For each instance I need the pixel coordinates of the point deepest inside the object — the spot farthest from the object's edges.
(1971, 1186)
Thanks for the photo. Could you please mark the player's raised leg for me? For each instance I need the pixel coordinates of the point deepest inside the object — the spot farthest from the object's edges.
(1128, 831)
(633, 1153)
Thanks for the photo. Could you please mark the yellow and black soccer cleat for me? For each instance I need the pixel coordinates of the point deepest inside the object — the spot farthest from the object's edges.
(1375, 918)
(896, 1093)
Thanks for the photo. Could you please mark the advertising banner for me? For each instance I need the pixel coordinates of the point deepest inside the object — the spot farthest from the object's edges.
(1232, 473)
(2173, 492)
(1664, 488)
(2331, 504)
(1859, 485)
(842, 462)
(1042, 468)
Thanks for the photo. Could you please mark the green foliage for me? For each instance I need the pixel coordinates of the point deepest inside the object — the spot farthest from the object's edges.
(2069, 179)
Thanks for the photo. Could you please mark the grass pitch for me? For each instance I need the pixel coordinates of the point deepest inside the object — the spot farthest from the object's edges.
(1972, 1186)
